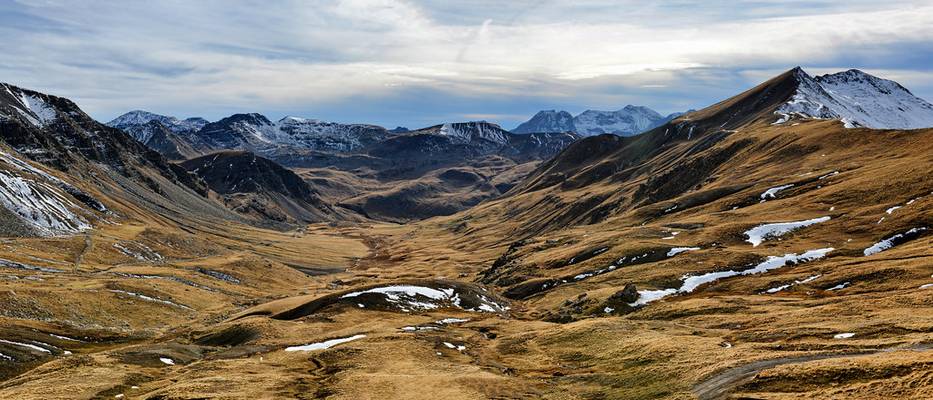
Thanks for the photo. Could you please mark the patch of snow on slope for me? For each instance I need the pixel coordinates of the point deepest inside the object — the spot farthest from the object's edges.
(772, 192)
(410, 297)
(325, 344)
(759, 234)
(677, 250)
(150, 299)
(893, 241)
(789, 285)
(846, 335)
(43, 112)
(691, 283)
(40, 205)
(27, 345)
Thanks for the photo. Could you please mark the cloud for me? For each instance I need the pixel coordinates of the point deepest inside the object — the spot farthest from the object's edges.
(355, 59)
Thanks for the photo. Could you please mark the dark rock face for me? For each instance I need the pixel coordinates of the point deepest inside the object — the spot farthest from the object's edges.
(244, 172)
(628, 294)
(259, 187)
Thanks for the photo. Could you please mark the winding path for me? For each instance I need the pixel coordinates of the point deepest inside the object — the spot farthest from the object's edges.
(721, 384)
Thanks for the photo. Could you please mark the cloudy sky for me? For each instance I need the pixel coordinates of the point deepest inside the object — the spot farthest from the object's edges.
(417, 63)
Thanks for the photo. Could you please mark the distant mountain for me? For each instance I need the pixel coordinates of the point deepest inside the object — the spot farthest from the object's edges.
(255, 132)
(858, 99)
(548, 121)
(139, 117)
(258, 187)
(158, 137)
(628, 121)
(252, 132)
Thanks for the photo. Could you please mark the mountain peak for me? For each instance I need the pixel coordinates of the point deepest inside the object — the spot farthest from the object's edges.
(137, 118)
(858, 99)
(547, 121)
(626, 121)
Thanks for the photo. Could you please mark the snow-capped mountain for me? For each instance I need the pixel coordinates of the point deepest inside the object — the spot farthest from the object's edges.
(628, 121)
(858, 100)
(139, 117)
(251, 131)
(470, 131)
(547, 121)
(321, 135)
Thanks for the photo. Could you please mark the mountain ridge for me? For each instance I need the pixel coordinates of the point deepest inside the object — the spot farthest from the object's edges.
(627, 121)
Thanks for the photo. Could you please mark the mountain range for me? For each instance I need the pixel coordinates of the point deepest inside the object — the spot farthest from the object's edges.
(407, 167)
(775, 244)
(627, 121)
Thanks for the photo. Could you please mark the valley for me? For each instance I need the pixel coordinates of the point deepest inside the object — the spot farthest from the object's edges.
(768, 246)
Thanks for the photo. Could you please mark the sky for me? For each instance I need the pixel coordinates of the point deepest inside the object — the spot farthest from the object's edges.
(420, 63)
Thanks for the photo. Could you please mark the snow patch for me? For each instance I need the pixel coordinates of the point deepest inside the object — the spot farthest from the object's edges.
(42, 206)
(691, 283)
(677, 250)
(892, 241)
(325, 344)
(772, 192)
(761, 233)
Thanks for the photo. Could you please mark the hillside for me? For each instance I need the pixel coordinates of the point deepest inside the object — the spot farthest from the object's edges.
(259, 188)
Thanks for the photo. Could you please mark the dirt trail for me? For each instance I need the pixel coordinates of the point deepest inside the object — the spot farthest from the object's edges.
(721, 384)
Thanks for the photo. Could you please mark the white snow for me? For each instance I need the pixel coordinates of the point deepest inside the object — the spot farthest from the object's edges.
(27, 345)
(453, 346)
(150, 299)
(831, 174)
(858, 100)
(889, 242)
(447, 321)
(41, 112)
(467, 131)
(846, 335)
(406, 297)
(63, 337)
(677, 250)
(840, 286)
(647, 296)
(772, 192)
(167, 361)
(44, 207)
(325, 344)
(926, 286)
(892, 209)
(672, 236)
(627, 121)
(691, 283)
(5, 357)
(796, 282)
(770, 231)
(141, 251)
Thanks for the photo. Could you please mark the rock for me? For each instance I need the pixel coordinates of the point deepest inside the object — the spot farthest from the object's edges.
(628, 294)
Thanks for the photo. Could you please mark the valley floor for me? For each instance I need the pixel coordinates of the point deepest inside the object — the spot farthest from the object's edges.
(213, 314)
